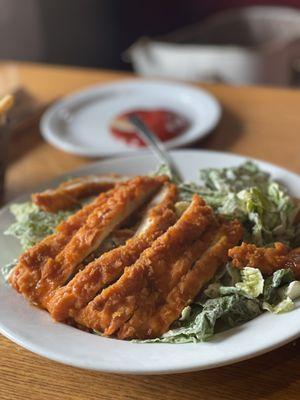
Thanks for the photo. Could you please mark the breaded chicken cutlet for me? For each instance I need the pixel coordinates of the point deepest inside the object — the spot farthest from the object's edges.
(52, 262)
(67, 195)
(104, 270)
(213, 254)
(137, 287)
(127, 307)
(266, 259)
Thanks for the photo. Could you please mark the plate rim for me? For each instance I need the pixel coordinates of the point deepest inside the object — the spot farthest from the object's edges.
(212, 364)
(50, 112)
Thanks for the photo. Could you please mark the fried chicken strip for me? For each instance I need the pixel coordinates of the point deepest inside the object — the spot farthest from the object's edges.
(189, 286)
(55, 269)
(266, 259)
(87, 283)
(67, 194)
(156, 295)
(117, 303)
(124, 201)
(27, 272)
(216, 242)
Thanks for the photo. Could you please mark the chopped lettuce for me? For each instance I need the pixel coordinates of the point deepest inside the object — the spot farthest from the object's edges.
(284, 306)
(223, 283)
(271, 294)
(252, 282)
(293, 290)
(230, 276)
(267, 211)
(213, 290)
(235, 179)
(280, 290)
(215, 316)
(249, 284)
(32, 224)
(223, 307)
(226, 278)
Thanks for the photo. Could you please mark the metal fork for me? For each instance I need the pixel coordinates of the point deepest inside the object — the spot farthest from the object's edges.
(155, 145)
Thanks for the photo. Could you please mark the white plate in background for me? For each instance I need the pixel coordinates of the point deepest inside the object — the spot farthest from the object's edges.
(79, 123)
(33, 328)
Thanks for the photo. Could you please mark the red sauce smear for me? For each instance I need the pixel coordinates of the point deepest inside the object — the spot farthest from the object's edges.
(165, 124)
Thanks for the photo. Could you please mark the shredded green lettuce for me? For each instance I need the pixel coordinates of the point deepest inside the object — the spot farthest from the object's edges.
(280, 290)
(213, 290)
(33, 224)
(292, 290)
(221, 307)
(252, 282)
(266, 210)
(223, 283)
(283, 306)
(215, 316)
(279, 278)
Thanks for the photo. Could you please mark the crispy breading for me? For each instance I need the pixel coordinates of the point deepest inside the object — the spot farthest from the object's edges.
(125, 199)
(116, 304)
(156, 295)
(215, 244)
(27, 272)
(67, 194)
(106, 269)
(56, 267)
(266, 259)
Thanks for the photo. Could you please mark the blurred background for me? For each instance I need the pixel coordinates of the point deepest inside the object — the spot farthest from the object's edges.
(237, 42)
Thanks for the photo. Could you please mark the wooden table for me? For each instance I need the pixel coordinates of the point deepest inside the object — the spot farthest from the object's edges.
(258, 122)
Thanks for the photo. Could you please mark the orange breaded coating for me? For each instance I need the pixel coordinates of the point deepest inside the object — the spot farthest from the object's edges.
(107, 268)
(266, 259)
(67, 194)
(189, 286)
(117, 303)
(156, 295)
(124, 200)
(108, 213)
(27, 272)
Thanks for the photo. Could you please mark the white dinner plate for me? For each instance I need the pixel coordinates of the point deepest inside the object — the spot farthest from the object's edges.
(79, 123)
(33, 328)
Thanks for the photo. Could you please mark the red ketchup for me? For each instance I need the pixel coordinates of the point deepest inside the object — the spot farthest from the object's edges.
(165, 124)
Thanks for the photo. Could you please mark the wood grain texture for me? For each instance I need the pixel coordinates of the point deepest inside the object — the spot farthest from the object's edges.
(259, 122)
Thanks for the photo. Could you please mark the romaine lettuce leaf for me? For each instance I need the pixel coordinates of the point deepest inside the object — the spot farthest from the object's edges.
(226, 278)
(271, 294)
(252, 282)
(279, 291)
(32, 224)
(293, 290)
(235, 179)
(216, 315)
(213, 290)
(245, 192)
(283, 306)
